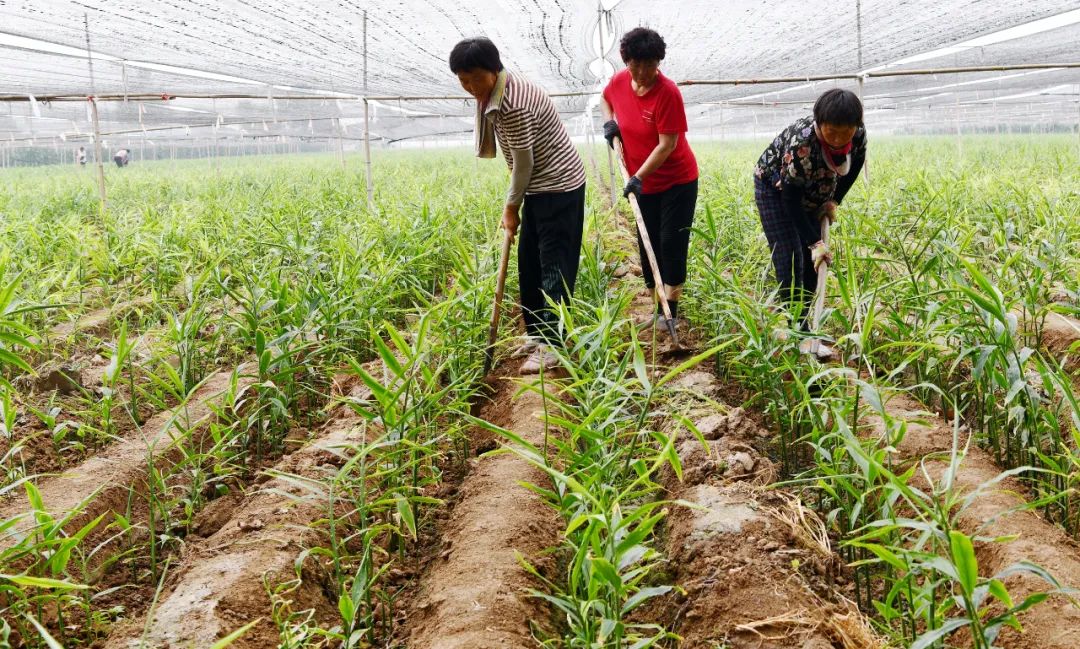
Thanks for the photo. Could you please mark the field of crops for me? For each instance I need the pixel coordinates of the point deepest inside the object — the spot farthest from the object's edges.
(240, 409)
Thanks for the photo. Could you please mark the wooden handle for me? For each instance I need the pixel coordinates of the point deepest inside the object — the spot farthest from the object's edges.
(661, 292)
(822, 282)
(500, 288)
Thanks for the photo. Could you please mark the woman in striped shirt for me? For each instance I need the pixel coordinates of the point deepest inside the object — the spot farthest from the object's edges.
(547, 187)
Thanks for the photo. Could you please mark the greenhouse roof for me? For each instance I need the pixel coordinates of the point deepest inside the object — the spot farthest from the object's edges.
(267, 50)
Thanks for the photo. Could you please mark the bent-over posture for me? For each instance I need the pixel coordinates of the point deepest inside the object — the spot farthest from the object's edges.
(800, 179)
(547, 187)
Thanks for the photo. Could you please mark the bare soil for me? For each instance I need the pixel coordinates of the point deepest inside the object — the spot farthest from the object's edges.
(1060, 335)
(97, 322)
(1054, 624)
(249, 544)
(752, 575)
(71, 387)
(123, 465)
(475, 593)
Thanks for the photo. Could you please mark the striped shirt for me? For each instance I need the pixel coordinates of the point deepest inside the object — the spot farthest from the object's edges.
(525, 117)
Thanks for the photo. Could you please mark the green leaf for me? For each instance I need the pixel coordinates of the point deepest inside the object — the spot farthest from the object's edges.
(642, 595)
(41, 582)
(607, 572)
(641, 370)
(346, 608)
(963, 556)
(885, 554)
(930, 637)
(405, 510)
(49, 640)
(998, 590)
(232, 637)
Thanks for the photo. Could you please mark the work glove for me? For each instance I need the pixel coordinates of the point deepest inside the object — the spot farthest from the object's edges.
(828, 211)
(611, 131)
(633, 186)
(819, 254)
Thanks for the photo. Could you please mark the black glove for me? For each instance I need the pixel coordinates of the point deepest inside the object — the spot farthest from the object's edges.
(611, 131)
(633, 186)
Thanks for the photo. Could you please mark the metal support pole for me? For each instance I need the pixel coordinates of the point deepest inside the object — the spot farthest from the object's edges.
(610, 154)
(959, 139)
(98, 155)
(367, 158)
(367, 129)
(340, 141)
(365, 53)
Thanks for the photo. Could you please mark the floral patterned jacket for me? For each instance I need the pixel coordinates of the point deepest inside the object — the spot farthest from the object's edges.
(795, 158)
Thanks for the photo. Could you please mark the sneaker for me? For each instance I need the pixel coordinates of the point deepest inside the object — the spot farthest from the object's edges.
(822, 351)
(525, 348)
(541, 355)
(661, 324)
(656, 319)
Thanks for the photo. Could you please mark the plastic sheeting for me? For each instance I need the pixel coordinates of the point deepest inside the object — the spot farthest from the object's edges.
(271, 49)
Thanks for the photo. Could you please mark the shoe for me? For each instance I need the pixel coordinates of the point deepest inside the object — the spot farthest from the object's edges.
(823, 352)
(661, 324)
(541, 355)
(657, 319)
(525, 348)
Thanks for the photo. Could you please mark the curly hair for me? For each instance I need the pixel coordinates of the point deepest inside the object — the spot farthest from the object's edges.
(642, 44)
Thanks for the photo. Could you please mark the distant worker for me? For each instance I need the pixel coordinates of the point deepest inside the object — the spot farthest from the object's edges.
(121, 157)
(547, 187)
(80, 156)
(799, 180)
(645, 110)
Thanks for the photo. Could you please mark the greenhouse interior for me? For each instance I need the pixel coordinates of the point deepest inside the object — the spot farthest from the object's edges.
(760, 331)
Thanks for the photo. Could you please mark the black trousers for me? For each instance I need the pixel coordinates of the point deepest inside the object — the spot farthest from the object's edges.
(668, 217)
(549, 247)
(790, 254)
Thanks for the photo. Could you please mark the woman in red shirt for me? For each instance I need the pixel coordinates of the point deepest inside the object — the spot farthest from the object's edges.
(645, 110)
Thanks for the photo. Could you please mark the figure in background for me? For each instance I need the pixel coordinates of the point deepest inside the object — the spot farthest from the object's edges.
(121, 157)
(80, 156)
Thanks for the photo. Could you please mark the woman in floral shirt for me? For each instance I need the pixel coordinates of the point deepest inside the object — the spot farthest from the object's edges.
(800, 179)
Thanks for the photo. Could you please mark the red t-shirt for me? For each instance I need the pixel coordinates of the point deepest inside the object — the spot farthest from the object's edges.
(642, 120)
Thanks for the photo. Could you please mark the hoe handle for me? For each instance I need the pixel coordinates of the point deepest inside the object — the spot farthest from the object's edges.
(500, 288)
(822, 281)
(658, 282)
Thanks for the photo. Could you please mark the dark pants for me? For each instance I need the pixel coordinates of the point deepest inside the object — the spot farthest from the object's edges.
(119, 161)
(549, 246)
(790, 254)
(668, 217)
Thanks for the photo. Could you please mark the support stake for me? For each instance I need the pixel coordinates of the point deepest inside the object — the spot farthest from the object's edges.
(98, 155)
(367, 158)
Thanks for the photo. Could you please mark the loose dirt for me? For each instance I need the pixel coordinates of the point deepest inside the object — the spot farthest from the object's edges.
(250, 543)
(1054, 624)
(752, 574)
(112, 472)
(475, 594)
(97, 321)
(1061, 335)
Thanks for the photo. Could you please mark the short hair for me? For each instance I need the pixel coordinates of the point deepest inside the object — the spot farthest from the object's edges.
(473, 53)
(642, 44)
(839, 107)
